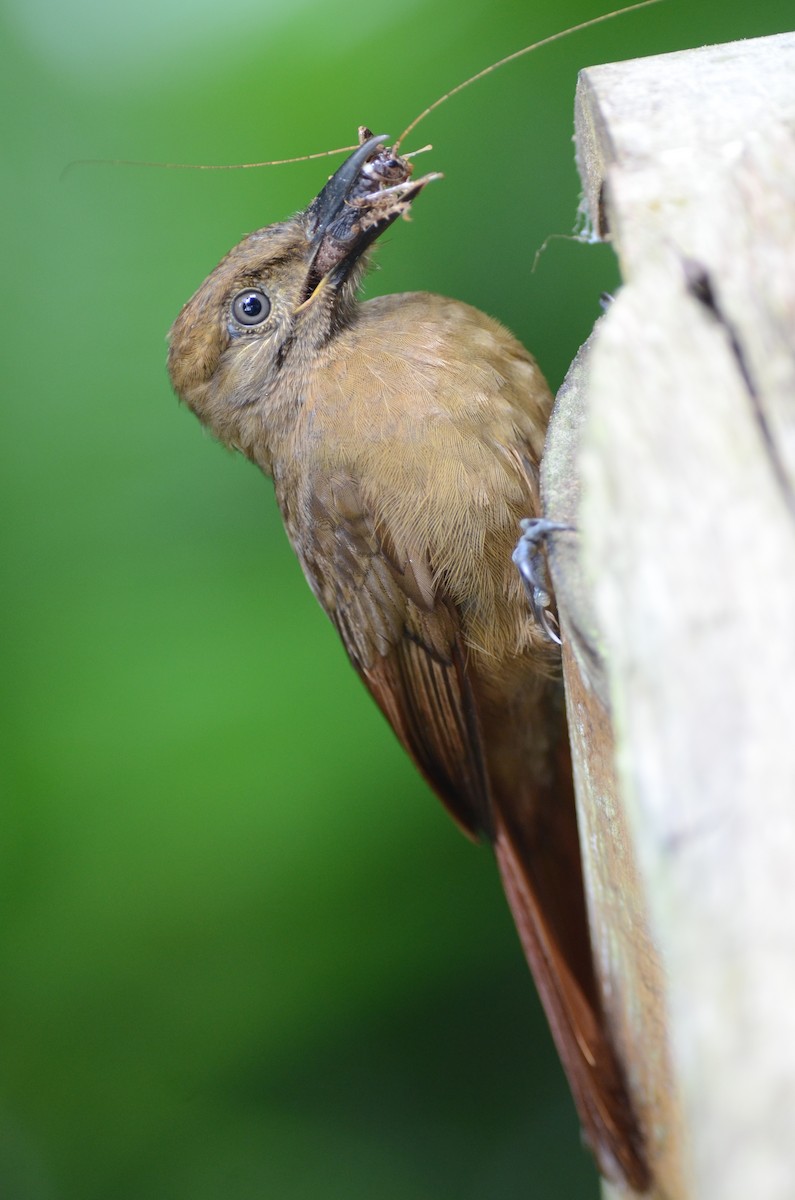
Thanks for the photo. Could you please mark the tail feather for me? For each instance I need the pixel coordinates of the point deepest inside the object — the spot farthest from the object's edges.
(578, 1030)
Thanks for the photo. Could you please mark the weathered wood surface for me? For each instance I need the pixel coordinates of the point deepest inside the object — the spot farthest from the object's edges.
(673, 450)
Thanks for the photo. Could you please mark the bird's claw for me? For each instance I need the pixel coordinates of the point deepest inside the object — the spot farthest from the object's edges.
(529, 560)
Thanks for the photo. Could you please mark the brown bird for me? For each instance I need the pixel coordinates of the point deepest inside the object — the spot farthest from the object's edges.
(403, 436)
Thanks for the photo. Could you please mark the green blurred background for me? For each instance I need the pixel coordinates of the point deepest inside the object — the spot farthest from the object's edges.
(244, 952)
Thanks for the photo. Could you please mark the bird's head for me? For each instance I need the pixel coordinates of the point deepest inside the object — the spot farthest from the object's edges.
(283, 291)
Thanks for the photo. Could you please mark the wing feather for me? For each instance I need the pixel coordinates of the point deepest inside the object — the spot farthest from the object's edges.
(405, 640)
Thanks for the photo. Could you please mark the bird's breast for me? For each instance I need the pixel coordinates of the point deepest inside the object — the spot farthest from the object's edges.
(424, 421)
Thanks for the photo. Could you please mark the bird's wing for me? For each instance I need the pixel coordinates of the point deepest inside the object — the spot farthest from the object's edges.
(404, 639)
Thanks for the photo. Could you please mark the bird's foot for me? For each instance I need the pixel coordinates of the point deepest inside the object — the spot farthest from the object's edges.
(529, 559)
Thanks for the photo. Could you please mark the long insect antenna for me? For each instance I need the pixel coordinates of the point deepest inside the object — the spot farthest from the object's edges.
(174, 166)
(554, 37)
(281, 162)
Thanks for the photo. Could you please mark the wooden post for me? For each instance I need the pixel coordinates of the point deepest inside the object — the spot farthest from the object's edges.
(672, 449)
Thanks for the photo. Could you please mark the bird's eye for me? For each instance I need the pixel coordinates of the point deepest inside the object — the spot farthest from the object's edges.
(250, 307)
